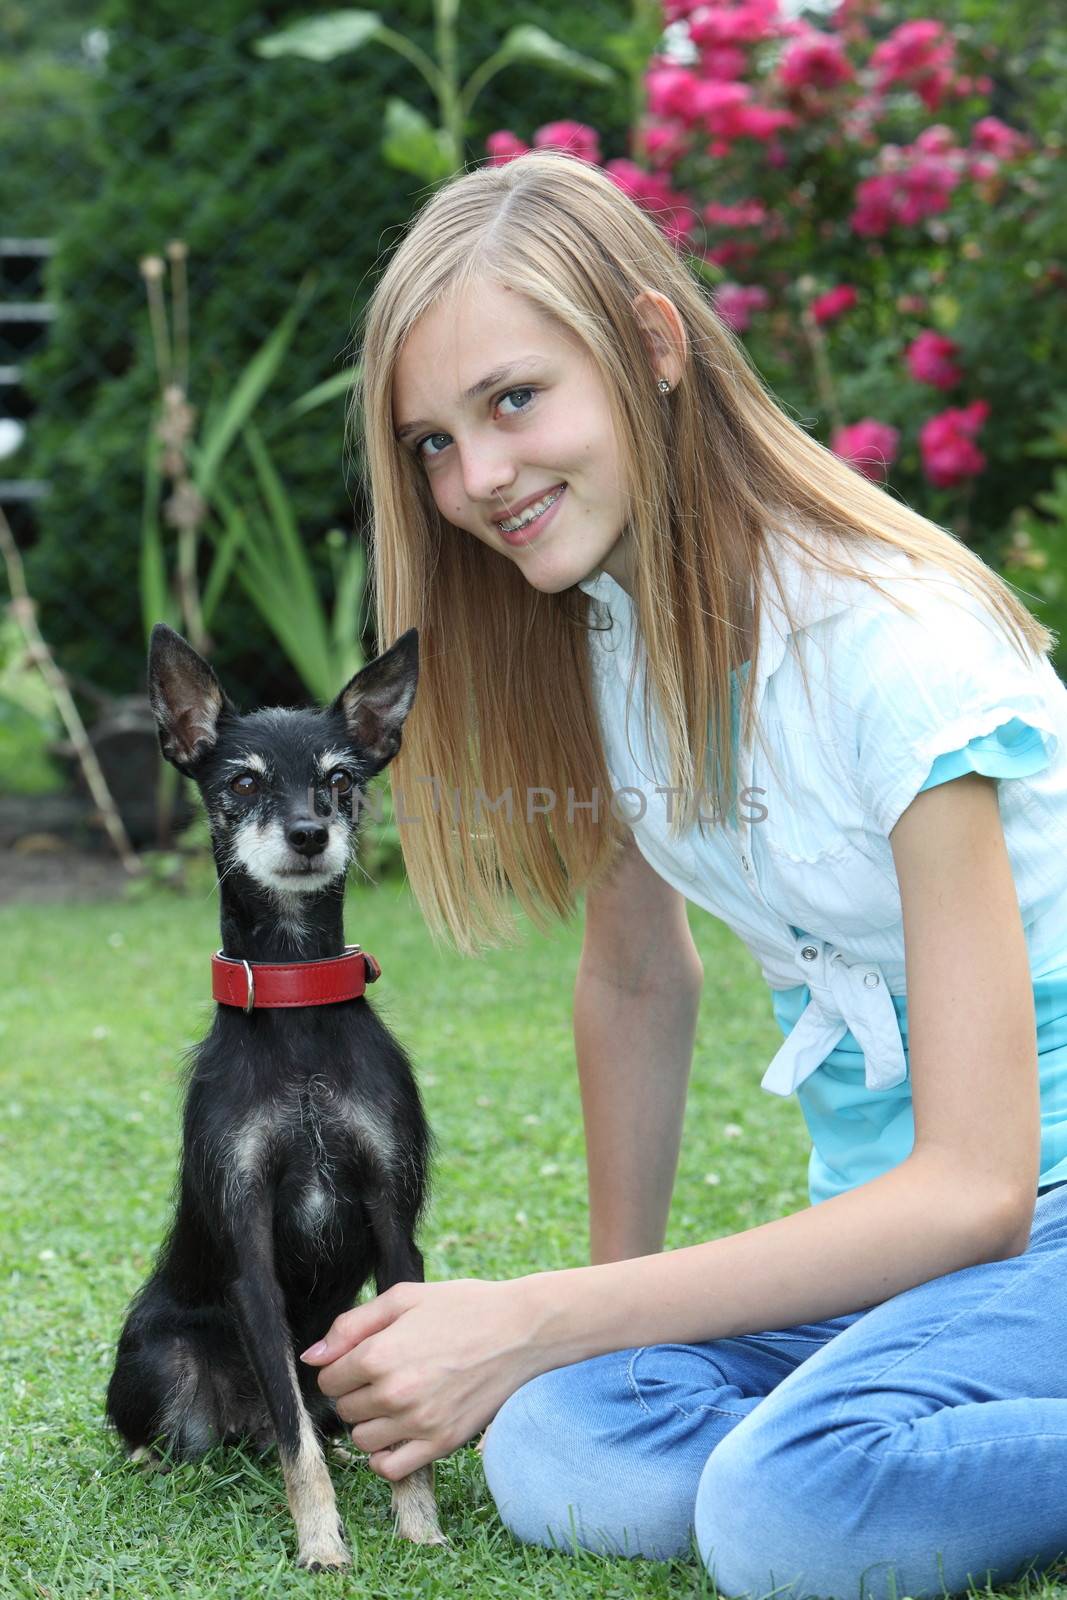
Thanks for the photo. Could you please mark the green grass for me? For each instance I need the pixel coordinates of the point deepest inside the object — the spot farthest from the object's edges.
(98, 1002)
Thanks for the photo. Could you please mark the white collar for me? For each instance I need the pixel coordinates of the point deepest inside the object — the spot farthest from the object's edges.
(811, 593)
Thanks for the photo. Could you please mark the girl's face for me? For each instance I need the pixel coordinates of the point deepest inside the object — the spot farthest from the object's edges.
(502, 410)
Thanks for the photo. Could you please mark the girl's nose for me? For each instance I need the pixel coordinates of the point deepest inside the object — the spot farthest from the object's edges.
(488, 473)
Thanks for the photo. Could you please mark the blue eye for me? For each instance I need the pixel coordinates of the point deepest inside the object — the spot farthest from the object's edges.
(419, 451)
(514, 392)
(507, 395)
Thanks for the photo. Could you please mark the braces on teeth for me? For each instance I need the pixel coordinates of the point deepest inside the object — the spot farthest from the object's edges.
(515, 523)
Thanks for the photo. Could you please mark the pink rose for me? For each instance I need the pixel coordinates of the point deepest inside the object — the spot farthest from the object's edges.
(936, 140)
(725, 61)
(930, 359)
(504, 147)
(573, 136)
(946, 445)
(670, 92)
(869, 446)
(762, 122)
(717, 106)
(746, 23)
(913, 185)
(875, 210)
(665, 143)
(834, 303)
(816, 60)
(997, 139)
(746, 214)
(735, 303)
(917, 55)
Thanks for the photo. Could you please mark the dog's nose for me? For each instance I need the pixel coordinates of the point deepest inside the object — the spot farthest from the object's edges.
(308, 837)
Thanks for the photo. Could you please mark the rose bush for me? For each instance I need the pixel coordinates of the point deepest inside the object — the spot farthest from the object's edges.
(887, 241)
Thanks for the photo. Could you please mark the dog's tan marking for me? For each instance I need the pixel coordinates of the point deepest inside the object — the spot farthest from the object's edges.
(245, 1156)
(333, 758)
(415, 1508)
(373, 1135)
(309, 1490)
(249, 763)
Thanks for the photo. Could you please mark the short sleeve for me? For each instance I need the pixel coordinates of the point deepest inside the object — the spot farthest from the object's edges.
(1014, 750)
(921, 699)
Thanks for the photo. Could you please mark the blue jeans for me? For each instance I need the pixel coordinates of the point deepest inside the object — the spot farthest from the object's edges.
(911, 1449)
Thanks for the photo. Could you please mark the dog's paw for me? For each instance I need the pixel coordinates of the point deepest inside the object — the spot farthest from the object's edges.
(324, 1555)
(415, 1509)
(424, 1534)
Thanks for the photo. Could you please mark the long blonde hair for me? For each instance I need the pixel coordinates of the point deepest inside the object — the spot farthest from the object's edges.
(711, 469)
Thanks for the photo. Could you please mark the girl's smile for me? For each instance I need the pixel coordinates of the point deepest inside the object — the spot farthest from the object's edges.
(526, 523)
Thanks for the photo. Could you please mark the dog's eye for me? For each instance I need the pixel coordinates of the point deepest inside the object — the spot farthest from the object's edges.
(245, 784)
(340, 780)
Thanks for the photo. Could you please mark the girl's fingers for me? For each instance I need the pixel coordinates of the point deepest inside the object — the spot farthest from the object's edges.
(358, 1405)
(405, 1459)
(351, 1327)
(344, 1375)
(379, 1434)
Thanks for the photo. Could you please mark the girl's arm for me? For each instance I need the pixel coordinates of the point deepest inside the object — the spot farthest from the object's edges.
(430, 1364)
(636, 1000)
(965, 1195)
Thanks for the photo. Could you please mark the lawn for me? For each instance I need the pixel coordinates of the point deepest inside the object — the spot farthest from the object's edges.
(98, 1003)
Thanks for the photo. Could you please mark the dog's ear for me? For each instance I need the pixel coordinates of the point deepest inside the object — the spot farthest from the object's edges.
(376, 701)
(186, 697)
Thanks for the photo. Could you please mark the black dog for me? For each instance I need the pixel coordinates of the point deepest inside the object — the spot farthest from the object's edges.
(305, 1147)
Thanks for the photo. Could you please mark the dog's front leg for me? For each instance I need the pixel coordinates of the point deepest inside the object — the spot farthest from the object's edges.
(260, 1310)
(400, 1261)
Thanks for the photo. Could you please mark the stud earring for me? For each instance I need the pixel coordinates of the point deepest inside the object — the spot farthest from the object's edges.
(664, 386)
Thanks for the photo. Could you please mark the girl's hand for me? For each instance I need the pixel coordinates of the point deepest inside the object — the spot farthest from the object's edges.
(419, 1370)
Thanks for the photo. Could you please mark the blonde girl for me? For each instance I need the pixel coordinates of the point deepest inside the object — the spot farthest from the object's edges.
(673, 650)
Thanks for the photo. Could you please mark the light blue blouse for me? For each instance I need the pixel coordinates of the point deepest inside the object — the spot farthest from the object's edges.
(858, 1133)
(902, 702)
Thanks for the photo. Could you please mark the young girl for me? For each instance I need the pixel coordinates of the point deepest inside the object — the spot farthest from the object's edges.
(673, 649)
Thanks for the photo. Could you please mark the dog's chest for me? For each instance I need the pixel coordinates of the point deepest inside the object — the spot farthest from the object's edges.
(314, 1146)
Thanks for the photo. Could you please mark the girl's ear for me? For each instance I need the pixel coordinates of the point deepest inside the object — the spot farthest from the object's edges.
(376, 701)
(663, 333)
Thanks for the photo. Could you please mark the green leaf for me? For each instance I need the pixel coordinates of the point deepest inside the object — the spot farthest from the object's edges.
(291, 579)
(246, 393)
(219, 572)
(413, 144)
(321, 38)
(322, 393)
(265, 580)
(629, 50)
(157, 604)
(347, 611)
(527, 43)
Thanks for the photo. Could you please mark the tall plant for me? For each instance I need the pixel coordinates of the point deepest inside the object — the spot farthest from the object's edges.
(411, 142)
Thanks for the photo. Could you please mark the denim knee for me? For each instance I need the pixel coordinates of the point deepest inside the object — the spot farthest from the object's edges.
(750, 1523)
(805, 1515)
(561, 1466)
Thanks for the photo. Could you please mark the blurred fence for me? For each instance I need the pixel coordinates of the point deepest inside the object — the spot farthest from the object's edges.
(158, 127)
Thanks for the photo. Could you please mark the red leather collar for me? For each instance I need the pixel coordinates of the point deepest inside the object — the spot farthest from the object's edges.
(256, 985)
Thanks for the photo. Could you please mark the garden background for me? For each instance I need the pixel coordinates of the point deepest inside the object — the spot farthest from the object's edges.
(196, 197)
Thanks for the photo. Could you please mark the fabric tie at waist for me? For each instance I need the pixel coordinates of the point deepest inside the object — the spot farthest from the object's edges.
(844, 998)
